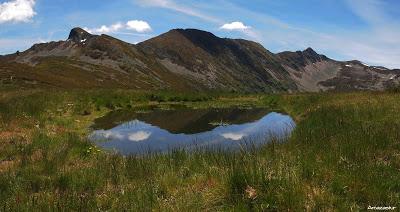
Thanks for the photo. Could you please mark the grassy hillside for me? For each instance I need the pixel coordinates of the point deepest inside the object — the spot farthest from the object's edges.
(343, 155)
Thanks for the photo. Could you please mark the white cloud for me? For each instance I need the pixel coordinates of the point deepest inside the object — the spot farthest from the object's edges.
(139, 136)
(138, 26)
(17, 11)
(241, 27)
(237, 25)
(106, 29)
(119, 28)
(233, 136)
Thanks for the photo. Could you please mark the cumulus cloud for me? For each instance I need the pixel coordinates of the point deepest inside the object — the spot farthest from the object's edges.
(138, 26)
(17, 11)
(241, 27)
(139, 136)
(236, 25)
(133, 25)
(106, 29)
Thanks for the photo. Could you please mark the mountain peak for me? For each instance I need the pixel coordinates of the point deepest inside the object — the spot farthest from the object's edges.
(311, 51)
(78, 35)
(313, 55)
(195, 33)
(192, 31)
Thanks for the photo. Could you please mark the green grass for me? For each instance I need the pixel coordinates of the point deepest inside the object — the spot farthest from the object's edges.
(343, 155)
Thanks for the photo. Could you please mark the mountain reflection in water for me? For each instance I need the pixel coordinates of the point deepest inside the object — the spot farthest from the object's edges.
(161, 131)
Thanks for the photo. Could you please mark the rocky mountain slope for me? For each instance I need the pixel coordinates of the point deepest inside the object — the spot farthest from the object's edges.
(184, 60)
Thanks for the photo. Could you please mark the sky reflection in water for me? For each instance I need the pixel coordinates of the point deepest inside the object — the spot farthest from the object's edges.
(142, 135)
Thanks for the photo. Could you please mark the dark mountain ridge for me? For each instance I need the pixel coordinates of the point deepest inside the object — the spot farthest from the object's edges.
(184, 59)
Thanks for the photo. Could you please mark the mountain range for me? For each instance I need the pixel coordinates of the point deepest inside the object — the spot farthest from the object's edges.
(185, 60)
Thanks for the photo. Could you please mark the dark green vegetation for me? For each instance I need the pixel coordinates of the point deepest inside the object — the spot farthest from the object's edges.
(343, 155)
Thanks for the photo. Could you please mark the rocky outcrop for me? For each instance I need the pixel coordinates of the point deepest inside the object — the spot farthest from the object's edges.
(78, 35)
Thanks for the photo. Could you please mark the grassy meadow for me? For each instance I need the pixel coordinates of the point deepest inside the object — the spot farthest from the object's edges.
(343, 155)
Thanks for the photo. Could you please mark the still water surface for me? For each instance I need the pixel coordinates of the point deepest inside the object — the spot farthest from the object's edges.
(164, 130)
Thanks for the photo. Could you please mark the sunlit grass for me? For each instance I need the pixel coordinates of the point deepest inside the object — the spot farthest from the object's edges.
(343, 155)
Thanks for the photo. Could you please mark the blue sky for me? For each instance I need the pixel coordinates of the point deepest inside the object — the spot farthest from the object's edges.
(368, 30)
